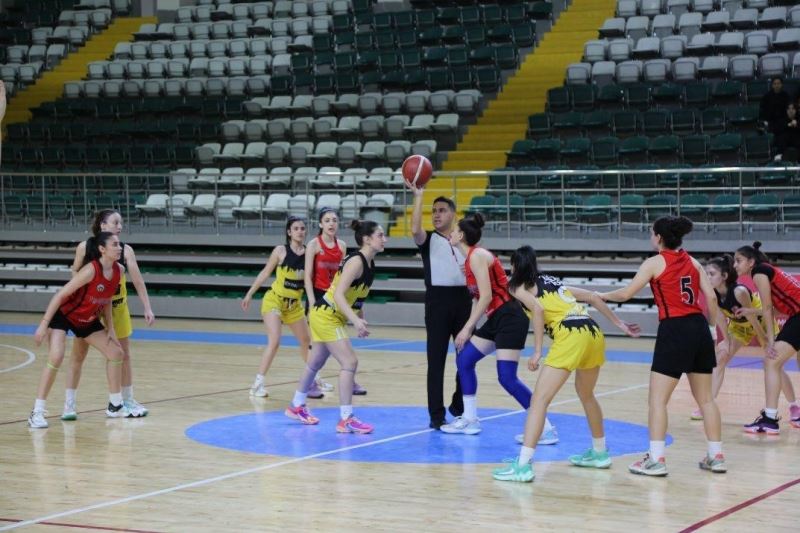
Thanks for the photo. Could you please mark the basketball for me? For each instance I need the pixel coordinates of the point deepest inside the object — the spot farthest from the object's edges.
(417, 170)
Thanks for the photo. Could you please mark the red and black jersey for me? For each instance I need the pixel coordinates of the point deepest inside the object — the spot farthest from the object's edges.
(83, 306)
(677, 288)
(326, 264)
(497, 278)
(785, 288)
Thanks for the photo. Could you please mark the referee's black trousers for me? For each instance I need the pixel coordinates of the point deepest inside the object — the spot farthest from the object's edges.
(446, 311)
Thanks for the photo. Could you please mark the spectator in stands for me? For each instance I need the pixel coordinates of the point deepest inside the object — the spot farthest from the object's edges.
(773, 105)
(787, 135)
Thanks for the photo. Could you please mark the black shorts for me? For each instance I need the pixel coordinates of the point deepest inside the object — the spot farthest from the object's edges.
(507, 327)
(683, 346)
(61, 322)
(790, 332)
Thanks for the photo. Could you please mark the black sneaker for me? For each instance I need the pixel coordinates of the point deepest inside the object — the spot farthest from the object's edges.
(436, 424)
(117, 411)
(763, 424)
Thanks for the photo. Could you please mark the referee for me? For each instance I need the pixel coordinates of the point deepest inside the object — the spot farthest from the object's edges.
(447, 300)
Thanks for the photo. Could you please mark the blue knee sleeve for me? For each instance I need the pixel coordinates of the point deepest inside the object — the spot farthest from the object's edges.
(507, 375)
(466, 360)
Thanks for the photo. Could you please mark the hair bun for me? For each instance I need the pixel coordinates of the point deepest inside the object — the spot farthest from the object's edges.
(757, 245)
(478, 219)
(683, 225)
(355, 224)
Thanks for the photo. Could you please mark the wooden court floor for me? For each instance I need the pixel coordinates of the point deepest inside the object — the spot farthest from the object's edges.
(147, 475)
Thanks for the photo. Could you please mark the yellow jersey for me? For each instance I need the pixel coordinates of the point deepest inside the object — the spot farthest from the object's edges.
(560, 306)
(358, 291)
(289, 276)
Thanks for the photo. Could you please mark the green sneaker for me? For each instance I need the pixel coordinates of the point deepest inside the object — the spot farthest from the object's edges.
(512, 471)
(69, 412)
(591, 459)
(715, 464)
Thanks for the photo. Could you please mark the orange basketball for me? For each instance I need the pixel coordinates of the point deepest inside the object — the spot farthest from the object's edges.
(417, 170)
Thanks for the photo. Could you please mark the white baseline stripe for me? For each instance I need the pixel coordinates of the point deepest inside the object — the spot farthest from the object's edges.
(30, 354)
(272, 466)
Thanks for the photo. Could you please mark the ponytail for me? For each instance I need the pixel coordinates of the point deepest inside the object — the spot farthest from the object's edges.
(526, 269)
(754, 252)
(93, 245)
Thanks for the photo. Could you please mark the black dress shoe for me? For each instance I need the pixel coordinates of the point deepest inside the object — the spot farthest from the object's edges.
(436, 424)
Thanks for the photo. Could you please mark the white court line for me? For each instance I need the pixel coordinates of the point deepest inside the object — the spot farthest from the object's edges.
(272, 466)
(30, 354)
(380, 344)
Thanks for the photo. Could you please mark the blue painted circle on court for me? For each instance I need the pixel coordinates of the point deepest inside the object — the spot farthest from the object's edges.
(400, 437)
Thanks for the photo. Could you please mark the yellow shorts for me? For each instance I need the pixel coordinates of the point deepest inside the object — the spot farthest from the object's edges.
(289, 309)
(577, 345)
(121, 315)
(744, 331)
(326, 325)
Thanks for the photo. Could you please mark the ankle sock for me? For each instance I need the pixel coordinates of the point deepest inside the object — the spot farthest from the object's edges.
(714, 448)
(39, 405)
(299, 399)
(526, 455)
(471, 407)
(657, 448)
(599, 445)
(771, 413)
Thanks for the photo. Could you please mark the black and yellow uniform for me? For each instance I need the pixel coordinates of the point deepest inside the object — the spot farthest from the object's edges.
(121, 315)
(578, 342)
(739, 327)
(283, 296)
(326, 321)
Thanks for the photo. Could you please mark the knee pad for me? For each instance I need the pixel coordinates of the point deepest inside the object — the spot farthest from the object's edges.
(507, 376)
(466, 360)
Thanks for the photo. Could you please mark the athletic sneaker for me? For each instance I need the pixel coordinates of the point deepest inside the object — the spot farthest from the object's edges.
(259, 390)
(462, 425)
(37, 419)
(591, 459)
(302, 414)
(314, 392)
(513, 471)
(324, 386)
(763, 424)
(794, 416)
(353, 425)
(697, 414)
(358, 390)
(715, 464)
(647, 467)
(117, 411)
(135, 409)
(69, 412)
(548, 438)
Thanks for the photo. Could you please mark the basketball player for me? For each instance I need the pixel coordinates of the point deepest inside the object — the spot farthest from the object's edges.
(447, 300)
(505, 329)
(75, 307)
(741, 310)
(281, 303)
(342, 301)
(111, 221)
(578, 344)
(323, 258)
(779, 292)
(684, 343)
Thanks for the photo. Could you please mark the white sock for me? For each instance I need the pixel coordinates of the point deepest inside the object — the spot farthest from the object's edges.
(69, 395)
(471, 407)
(599, 445)
(525, 455)
(714, 448)
(259, 379)
(39, 405)
(299, 398)
(547, 425)
(127, 392)
(115, 398)
(345, 411)
(657, 449)
(794, 404)
(771, 413)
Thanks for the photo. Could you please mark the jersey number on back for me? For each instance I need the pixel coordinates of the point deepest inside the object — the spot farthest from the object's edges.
(687, 293)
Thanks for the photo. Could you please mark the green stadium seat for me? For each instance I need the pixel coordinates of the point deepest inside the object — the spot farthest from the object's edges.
(763, 206)
(565, 122)
(539, 209)
(558, 100)
(522, 151)
(791, 208)
(582, 97)
(605, 151)
(655, 123)
(725, 207)
(683, 121)
(664, 147)
(694, 148)
(576, 148)
(638, 97)
(624, 123)
(610, 96)
(539, 125)
(597, 209)
(712, 121)
(757, 148)
(475, 36)
(597, 122)
(697, 95)
(695, 206)
(660, 205)
(633, 148)
(524, 35)
(547, 150)
(727, 92)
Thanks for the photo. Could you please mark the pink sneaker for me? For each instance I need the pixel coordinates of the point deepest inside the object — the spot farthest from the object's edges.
(353, 425)
(358, 390)
(794, 416)
(302, 414)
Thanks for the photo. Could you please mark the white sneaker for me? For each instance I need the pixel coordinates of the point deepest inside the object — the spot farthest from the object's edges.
(548, 438)
(135, 409)
(37, 419)
(324, 386)
(462, 425)
(69, 412)
(259, 390)
(117, 411)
